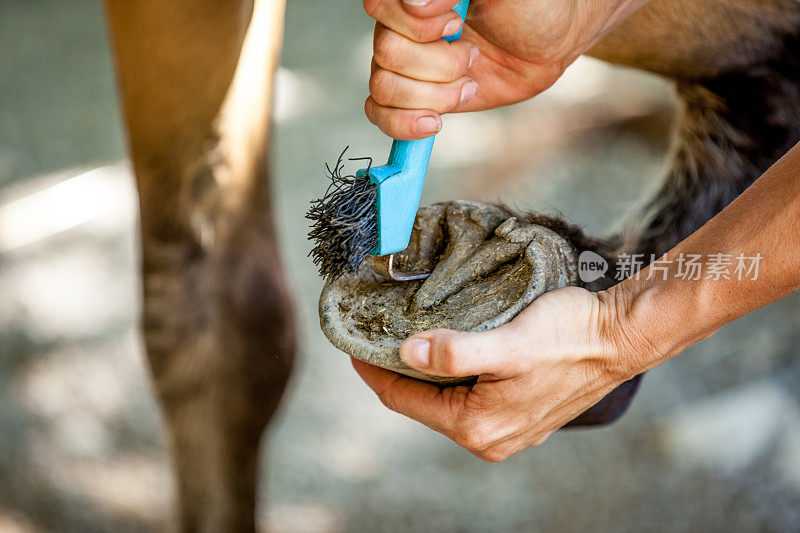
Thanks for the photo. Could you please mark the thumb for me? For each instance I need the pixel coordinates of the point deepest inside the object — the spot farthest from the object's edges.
(444, 352)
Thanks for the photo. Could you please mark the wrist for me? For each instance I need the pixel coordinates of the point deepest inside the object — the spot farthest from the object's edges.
(619, 10)
(656, 319)
(625, 335)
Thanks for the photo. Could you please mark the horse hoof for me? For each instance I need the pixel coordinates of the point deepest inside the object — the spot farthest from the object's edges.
(485, 264)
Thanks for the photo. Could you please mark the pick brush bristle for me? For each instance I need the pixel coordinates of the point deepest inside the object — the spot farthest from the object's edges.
(344, 224)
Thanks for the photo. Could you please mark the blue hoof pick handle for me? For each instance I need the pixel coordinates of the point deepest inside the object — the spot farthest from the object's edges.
(400, 181)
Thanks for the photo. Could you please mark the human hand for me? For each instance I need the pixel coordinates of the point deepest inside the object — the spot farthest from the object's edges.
(509, 51)
(557, 358)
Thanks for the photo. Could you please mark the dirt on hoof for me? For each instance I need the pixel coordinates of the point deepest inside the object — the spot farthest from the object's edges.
(485, 267)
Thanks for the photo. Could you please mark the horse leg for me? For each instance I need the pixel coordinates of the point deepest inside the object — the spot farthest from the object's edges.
(735, 67)
(736, 74)
(195, 81)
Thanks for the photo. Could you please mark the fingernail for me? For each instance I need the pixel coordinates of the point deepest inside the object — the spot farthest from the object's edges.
(416, 353)
(428, 124)
(468, 91)
(474, 54)
(452, 27)
(417, 2)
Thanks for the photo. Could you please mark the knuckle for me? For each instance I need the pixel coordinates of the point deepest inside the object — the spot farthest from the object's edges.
(538, 440)
(382, 86)
(419, 33)
(429, 29)
(477, 438)
(455, 96)
(456, 65)
(386, 49)
(388, 402)
(494, 455)
(368, 110)
(396, 122)
(541, 439)
(372, 7)
(476, 441)
(397, 125)
(450, 350)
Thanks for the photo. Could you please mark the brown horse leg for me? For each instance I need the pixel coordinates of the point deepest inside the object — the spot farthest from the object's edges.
(196, 83)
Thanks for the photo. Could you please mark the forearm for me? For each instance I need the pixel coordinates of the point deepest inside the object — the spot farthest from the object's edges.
(671, 312)
(608, 15)
(687, 38)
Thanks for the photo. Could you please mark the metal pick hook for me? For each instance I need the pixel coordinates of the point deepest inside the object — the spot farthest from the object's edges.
(384, 265)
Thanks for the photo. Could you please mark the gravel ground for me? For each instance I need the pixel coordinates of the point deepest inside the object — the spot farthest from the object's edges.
(712, 442)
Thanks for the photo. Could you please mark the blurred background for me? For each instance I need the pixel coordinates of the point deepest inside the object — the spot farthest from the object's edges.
(711, 443)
